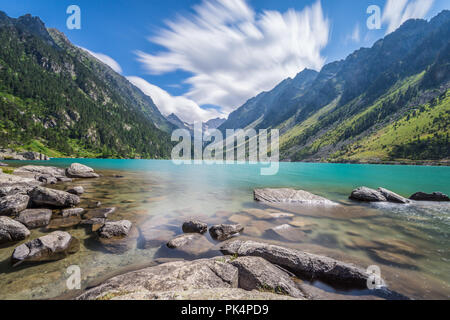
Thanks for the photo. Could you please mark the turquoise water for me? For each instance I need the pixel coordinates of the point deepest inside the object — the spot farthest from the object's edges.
(409, 243)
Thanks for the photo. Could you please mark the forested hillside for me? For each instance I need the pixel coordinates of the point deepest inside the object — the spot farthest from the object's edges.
(57, 99)
(385, 103)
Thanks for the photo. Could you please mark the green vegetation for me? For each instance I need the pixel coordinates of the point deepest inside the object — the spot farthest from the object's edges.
(59, 101)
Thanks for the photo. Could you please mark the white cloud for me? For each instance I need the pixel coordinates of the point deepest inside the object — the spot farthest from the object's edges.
(186, 109)
(234, 53)
(113, 64)
(355, 36)
(398, 11)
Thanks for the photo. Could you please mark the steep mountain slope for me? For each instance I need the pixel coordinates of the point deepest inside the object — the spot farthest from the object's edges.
(355, 98)
(57, 99)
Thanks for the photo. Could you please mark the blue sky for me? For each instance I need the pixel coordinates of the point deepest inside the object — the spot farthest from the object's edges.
(202, 59)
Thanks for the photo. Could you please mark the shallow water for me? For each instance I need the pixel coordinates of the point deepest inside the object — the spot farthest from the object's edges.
(408, 242)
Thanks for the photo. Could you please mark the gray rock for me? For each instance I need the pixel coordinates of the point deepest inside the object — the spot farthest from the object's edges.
(13, 204)
(435, 196)
(287, 232)
(190, 244)
(177, 276)
(224, 232)
(54, 246)
(72, 212)
(12, 230)
(302, 264)
(76, 191)
(30, 155)
(116, 229)
(77, 170)
(367, 195)
(9, 191)
(11, 180)
(41, 196)
(392, 197)
(286, 195)
(235, 294)
(3, 164)
(194, 227)
(93, 223)
(35, 218)
(255, 273)
(47, 175)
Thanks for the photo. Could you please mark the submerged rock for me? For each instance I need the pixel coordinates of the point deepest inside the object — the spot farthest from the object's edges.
(76, 191)
(367, 195)
(99, 213)
(114, 229)
(224, 232)
(13, 204)
(94, 223)
(153, 238)
(72, 212)
(435, 196)
(392, 196)
(285, 195)
(191, 244)
(302, 264)
(64, 223)
(41, 196)
(287, 233)
(54, 246)
(194, 226)
(77, 170)
(35, 218)
(12, 230)
(255, 273)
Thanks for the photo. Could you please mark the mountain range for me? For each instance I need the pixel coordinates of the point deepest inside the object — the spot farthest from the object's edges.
(389, 102)
(385, 103)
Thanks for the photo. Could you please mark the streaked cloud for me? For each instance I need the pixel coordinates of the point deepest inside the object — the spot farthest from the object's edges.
(398, 11)
(234, 53)
(186, 109)
(113, 64)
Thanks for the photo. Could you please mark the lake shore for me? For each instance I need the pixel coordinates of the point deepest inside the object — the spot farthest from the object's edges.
(157, 197)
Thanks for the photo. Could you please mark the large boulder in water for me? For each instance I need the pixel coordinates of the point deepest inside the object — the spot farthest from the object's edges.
(302, 264)
(35, 218)
(367, 195)
(224, 232)
(12, 230)
(77, 170)
(286, 195)
(13, 204)
(255, 273)
(41, 196)
(194, 226)
(114, 229)
(435, 196)
(392, 196)
(54, 246)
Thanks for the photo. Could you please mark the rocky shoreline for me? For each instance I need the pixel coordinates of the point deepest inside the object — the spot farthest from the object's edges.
(247, 269)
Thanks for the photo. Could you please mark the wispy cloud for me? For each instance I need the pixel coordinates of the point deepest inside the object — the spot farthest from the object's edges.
(186, 109)
(113, 64)
(355, 36)
(398, 11)
(234, 53)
